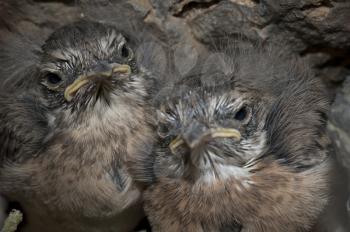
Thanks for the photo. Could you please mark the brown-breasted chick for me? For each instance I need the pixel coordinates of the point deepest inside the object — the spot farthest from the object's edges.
(75, 113)
(246, 150)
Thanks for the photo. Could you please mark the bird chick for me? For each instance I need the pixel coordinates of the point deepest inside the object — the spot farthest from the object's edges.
(247, 152)
(75, 116)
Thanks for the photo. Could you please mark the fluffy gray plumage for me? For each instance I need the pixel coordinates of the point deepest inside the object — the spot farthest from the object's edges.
(273, 177)
(73, 110)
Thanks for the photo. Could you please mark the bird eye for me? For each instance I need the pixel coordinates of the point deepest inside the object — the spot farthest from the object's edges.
(163, 130)
(125, 51)
(241, 114)
(53, 78)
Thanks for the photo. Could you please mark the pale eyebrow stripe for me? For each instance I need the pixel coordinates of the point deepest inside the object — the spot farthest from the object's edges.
(65, 55)
(59, 55)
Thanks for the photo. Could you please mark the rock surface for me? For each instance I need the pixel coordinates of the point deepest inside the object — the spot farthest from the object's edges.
(3, 206)
(339, 129)
(317, 30)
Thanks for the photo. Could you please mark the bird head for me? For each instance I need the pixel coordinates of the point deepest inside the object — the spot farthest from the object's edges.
(85, 66)
(266, 108)
(206, 129)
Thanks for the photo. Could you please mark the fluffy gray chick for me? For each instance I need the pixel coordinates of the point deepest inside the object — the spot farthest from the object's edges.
(245, 146)
(69, 122)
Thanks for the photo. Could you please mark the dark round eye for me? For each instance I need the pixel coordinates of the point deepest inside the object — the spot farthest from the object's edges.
(241, 114)
(53, 78)
(163, 130)
(125, 52)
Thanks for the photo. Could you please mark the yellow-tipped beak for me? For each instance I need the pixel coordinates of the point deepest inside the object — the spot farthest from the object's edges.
(122, 69)
(178, 141)
(225, 133)
(74, 87)
(82, 80)
(211, 133)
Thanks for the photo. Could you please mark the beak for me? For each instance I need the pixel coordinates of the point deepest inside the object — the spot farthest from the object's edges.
(225, 133)
(197, 136)
(177, 142)
(82, 80)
